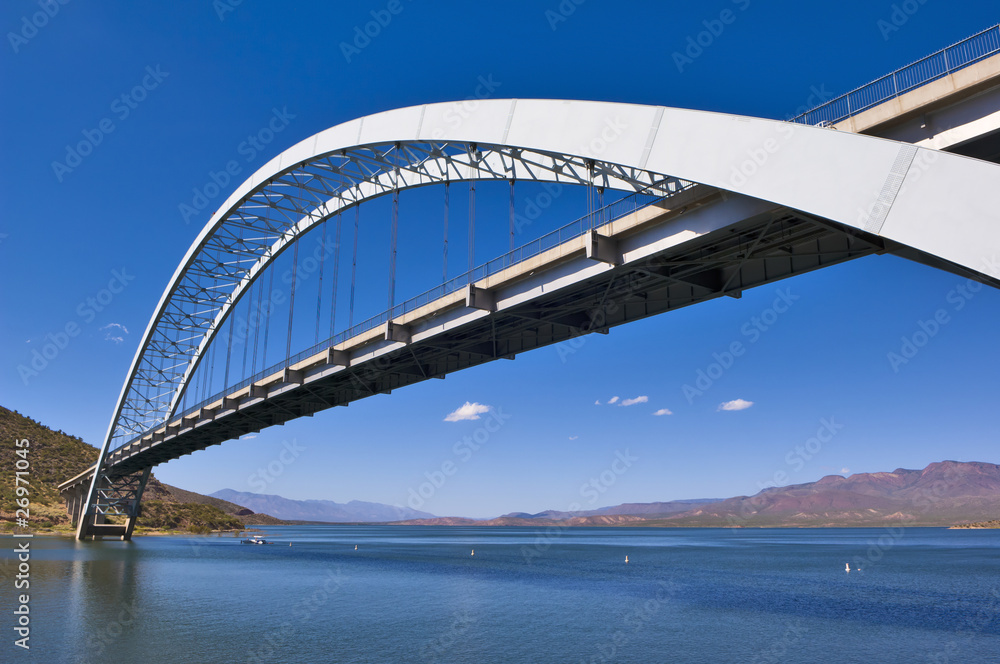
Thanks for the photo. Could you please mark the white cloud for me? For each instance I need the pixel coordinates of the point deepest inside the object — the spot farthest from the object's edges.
(663, 411)
(114, 332)
(632, 402)
(735, 404)
(469, 411)
(612, 400)
(597, 403)
(573, 437)
(845, 471)
(248, 437)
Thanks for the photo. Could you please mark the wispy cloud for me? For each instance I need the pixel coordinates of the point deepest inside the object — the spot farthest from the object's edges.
(845, 471)
(632, 402)
(612, 400)
(735, 404)
(468, 411)
(663, 411)
(114, 332)
(597, 403)
(573, 437)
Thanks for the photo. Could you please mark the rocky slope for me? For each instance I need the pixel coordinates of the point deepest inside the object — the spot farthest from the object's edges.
(942, 494)
(54, 456)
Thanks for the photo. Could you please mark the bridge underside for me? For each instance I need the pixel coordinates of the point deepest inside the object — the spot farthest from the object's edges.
(765, 248)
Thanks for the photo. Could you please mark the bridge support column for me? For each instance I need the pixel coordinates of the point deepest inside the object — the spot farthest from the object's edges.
(79, 500)
(136, 507)
(118, 496)
(70, 499)
(75, 503)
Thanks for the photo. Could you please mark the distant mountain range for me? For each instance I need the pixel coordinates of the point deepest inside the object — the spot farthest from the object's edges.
(325, 511)
(631, 509)
(942, 494)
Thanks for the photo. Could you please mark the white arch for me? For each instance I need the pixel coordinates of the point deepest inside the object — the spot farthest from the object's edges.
(936, 202)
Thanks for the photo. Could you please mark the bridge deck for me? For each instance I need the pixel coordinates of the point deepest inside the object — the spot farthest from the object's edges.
(952, 89)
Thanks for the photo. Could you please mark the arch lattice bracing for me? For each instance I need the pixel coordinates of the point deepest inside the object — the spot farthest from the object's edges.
(926, 205)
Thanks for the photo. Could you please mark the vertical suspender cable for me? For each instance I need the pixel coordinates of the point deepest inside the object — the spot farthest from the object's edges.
(291, 299)
(472, 228)
(199, 385)
(319, 288)
(211, 361)
(444, 270)
(512, 214)
(267, 315)
(354, 264)
(211, 375)
(336, 279)
(393, 232)
(229, 352)
(256, 325)
(210, 383)
(246, 334)
(590, 193)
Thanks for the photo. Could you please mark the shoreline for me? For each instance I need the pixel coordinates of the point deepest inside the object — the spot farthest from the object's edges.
(237, 533)
(159, 533)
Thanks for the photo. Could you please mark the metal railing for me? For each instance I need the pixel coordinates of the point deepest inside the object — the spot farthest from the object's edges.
(937, 65)
(611, 212)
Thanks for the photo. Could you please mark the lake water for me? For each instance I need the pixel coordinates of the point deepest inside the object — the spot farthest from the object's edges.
(418, 595)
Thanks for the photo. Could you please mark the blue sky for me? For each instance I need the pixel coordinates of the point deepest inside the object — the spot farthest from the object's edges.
(214, 77)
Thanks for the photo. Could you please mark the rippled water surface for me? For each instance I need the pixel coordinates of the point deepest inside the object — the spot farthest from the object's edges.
(419, 595)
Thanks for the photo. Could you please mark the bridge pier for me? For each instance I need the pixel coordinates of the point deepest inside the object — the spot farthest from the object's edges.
(117, 496)
(74, 499)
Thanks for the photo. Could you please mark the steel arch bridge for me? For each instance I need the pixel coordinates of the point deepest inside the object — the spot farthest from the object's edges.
(717, 203)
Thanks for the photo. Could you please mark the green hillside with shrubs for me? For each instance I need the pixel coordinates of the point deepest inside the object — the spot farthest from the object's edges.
(55, 456)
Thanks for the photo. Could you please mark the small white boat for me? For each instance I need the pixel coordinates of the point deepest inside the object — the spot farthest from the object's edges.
(847, 567)
(256, 539)
(473, 552)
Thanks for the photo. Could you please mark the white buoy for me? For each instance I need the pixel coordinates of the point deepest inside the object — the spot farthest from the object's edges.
(473, 552)
(626, 560)
(847, 567)
(355, 547)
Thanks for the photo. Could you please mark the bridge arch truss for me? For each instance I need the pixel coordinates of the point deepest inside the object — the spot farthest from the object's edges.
(922, 204)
